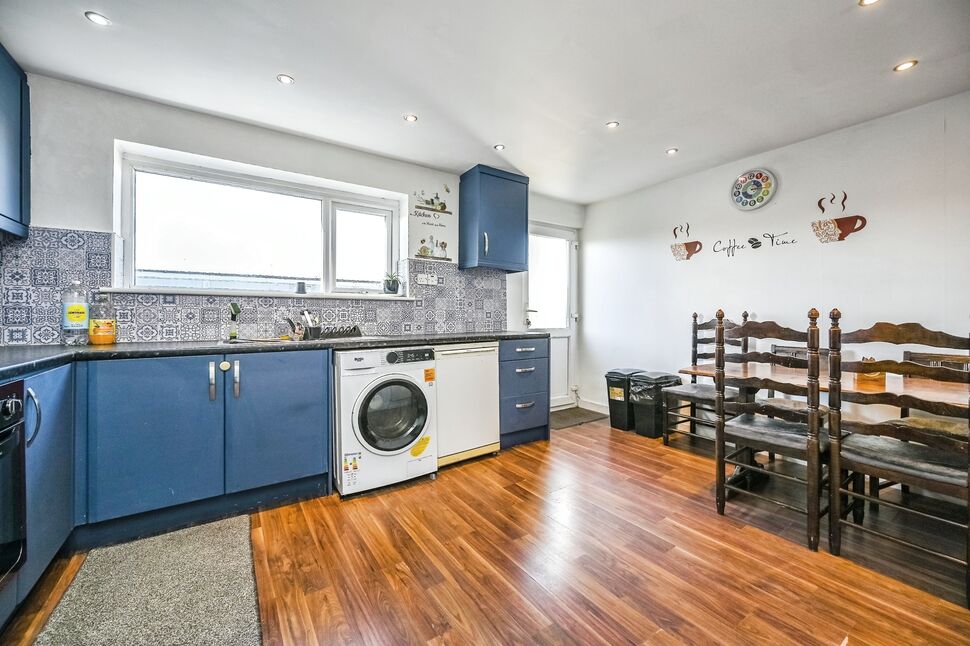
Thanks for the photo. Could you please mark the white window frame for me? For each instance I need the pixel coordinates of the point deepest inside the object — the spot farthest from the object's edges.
(123, 278)
(331, 244)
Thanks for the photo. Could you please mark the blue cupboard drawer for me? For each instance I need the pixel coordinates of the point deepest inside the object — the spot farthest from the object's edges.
(523, 377)
(523, 412)
(523, 349)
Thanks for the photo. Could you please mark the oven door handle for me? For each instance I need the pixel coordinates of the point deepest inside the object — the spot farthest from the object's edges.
(32, 396)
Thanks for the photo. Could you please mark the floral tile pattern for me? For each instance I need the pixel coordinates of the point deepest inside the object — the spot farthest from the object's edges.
(34, 271)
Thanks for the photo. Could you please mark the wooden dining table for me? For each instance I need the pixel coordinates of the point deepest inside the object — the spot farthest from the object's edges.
(940, 391)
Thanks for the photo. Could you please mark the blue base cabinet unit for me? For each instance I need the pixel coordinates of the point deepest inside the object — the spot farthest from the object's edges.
(155, 434)
(524, 391)
(167, 431)
(8, 598)
(277, 417)
(493, 220)
(49, 429)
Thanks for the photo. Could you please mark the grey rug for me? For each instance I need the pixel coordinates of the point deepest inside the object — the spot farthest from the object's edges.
(193, 586)
(572, 417)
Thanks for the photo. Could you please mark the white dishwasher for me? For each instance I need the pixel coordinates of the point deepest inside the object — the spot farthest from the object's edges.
(468, 400)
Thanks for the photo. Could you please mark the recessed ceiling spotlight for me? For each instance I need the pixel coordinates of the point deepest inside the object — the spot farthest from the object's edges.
(97, 18)
(499, 146)
(410, 118)
(866, 3)
(285, 79)
(612, 124)
(671, 151)
(906, 65)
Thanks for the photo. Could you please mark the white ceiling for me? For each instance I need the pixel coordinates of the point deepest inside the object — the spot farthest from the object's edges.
(720, 79)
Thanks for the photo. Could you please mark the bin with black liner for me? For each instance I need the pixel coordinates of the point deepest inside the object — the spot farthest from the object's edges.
(647, 399)
(618, 391)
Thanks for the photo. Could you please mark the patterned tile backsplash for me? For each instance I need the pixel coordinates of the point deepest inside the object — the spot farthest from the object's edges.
(35, 270)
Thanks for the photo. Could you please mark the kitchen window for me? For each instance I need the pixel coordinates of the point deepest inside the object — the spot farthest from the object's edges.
(200, 229)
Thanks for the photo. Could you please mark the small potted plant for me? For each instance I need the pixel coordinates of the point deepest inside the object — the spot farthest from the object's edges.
(392, 282)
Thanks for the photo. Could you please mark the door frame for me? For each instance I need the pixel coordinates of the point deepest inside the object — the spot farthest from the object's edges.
(569, 333)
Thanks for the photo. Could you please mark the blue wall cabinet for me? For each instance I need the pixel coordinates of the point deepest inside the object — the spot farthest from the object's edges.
(277, 417)
(493, 219)
(49, 428)
(155, 434)
(14, 147)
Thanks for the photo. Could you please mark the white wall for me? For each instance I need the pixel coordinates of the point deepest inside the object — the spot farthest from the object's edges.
(74, 127)
(549, 210)
(907, 173)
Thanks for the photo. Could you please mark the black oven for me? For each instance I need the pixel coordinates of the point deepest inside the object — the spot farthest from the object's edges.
(13, 525)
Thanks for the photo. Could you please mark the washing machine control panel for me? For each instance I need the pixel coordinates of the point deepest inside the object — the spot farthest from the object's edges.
(410, 356)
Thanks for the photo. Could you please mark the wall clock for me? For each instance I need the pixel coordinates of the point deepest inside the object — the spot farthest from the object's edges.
(753, 189)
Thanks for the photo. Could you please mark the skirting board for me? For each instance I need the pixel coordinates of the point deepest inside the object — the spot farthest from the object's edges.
(596, 406)
(467, 455)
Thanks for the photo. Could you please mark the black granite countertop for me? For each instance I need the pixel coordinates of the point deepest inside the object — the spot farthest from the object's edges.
(16, 361)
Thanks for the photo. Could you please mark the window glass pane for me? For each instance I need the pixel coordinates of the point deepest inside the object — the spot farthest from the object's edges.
(361, 248)
(548, 282)
(191, 233)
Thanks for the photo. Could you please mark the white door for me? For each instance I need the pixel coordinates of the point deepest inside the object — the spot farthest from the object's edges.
(550, 304)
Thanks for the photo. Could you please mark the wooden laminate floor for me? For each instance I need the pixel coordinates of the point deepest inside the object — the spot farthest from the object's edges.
(598, 536)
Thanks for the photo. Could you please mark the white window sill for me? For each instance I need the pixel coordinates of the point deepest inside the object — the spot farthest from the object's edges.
(255, 294)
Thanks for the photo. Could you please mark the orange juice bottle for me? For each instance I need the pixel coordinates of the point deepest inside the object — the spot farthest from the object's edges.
(103, 325)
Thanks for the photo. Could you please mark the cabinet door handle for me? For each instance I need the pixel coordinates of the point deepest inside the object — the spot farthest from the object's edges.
(485, 233)
(519, 370)
(235, 379)
(526, 405)
(212, 380)
(525, 349)
(32, 396)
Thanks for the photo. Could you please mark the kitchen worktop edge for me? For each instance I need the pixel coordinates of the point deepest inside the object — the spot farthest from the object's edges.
(17, 361)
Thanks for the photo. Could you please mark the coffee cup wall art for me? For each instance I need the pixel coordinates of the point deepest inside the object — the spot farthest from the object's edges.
(836, 229)
(684, 250)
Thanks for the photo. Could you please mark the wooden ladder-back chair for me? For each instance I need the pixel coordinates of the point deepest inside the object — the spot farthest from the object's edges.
(955, 361)
(926, 452)
(699, 398)
(765, 426)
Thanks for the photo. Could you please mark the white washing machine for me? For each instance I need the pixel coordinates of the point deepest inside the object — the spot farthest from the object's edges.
(385, 417)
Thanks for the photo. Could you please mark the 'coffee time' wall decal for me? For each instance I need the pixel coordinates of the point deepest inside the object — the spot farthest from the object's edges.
(836, 229)
(730, 247)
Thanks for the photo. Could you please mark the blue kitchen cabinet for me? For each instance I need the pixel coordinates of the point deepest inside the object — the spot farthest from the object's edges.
(524, 391)
(14, 147)
(49, 428)
(8, 598)
(493, 222)
(277, 417)
(155, 434)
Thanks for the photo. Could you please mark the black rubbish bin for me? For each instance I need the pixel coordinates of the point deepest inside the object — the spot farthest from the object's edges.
(646, 396)
(618, 392)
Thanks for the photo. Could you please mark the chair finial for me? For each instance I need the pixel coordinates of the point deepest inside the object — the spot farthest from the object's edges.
(744, 316)
(813, 315)
(720, 314)
(695, 317)
(835, 315)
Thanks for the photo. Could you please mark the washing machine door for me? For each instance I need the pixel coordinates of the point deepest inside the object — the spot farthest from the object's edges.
(391, 414)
